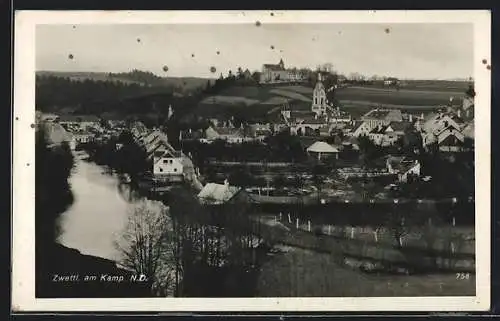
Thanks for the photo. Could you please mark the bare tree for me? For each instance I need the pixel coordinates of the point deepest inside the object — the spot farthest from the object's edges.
(146, 247)
(327, 67)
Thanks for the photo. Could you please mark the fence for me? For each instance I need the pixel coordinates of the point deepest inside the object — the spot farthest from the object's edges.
(363, 213)
(423, 250)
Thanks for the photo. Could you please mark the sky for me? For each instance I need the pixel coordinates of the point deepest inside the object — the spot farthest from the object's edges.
(411, 51)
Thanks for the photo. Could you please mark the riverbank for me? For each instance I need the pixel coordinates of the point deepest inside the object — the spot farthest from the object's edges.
(65, 272)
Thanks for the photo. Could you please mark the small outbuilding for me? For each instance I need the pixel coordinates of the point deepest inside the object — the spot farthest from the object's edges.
(323, 150)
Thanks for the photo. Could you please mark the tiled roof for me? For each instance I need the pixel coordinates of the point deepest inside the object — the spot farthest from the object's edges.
(352, 127)
(384, 114)
(213, 193)
(400, 126)
(273, 67)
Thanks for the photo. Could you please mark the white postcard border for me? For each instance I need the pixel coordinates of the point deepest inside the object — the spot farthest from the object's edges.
(23, 251)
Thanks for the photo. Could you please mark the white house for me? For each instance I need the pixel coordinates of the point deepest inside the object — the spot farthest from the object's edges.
(230, 135)
(167, 164)
(83, 137)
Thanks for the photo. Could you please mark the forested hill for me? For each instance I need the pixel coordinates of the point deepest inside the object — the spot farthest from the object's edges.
(143, 78)
(90, 92)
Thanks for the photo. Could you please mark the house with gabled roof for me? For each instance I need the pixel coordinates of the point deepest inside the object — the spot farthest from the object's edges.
(218, 194)
(445, 130)
(357, 128)
(230, 135)
(382, 117)
(403, 167)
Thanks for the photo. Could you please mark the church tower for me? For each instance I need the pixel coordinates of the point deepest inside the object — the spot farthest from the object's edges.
(319, 97)
(281, 64)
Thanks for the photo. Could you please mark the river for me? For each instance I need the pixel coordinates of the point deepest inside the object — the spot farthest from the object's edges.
(99, 212)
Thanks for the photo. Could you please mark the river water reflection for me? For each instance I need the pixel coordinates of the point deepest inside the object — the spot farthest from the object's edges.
(99, 212)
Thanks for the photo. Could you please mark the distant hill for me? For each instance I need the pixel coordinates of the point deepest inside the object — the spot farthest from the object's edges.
(181, 84)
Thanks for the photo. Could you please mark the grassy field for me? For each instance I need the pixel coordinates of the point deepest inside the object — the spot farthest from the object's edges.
(406, 98)
(309, 274)
(415, 97)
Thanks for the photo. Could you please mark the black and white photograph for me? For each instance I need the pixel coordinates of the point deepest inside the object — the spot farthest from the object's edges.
(247, 159)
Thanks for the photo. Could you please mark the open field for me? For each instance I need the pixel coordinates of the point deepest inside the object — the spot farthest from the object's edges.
(403, 97)
(416, 97)
(309, 274)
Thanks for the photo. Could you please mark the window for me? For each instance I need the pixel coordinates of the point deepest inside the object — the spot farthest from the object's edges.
(315, 100)
(165, 161)
(175, 169)
(161, 169)
(171, 161)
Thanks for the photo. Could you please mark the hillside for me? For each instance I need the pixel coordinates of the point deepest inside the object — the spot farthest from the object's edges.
(256, 101)
(182, 84)
(253, 101)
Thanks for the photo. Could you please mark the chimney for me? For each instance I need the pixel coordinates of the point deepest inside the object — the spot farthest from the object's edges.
(226, 182)
(411, 118)
(459, 113)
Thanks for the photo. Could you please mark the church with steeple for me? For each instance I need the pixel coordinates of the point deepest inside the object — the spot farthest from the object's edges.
(319, 103)
(277, 73)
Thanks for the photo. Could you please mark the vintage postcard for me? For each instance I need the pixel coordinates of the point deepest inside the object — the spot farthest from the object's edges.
(251, 161)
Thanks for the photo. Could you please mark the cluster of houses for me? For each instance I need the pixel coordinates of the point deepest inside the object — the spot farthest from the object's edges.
(82, 129)
(448, 128)
(76, 130)
(169, 165)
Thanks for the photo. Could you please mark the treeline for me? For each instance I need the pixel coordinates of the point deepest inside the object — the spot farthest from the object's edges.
(145, 77)
(53, 194)
(55, 93)
(217, 248)
(52, 197)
